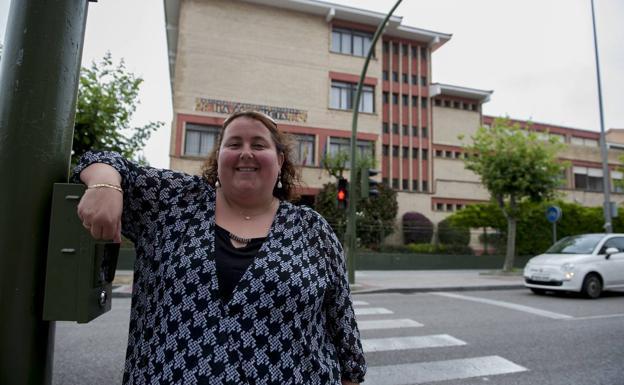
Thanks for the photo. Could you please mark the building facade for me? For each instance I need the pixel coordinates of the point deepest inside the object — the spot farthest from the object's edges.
(300, 60)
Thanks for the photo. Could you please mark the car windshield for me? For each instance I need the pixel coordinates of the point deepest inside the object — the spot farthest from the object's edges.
(576, 244)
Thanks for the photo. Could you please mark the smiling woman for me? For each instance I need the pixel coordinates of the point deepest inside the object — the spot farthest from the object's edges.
(233, 283)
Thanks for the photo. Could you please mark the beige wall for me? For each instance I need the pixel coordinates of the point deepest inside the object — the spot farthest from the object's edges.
(449, 123)
(242, 52)
(453, 169)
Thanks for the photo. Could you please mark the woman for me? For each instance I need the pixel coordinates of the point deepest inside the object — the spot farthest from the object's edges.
(232, 284)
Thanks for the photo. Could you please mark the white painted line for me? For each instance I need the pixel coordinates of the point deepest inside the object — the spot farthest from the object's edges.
(372, 310)
(388, 324)
(403, 343)
(423, 372)
(359, 303)
(594, 317)
(508, 305)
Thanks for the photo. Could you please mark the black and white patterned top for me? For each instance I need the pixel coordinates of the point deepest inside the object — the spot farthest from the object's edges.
(290, 319)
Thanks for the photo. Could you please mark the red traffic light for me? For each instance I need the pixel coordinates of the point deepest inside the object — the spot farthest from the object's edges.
(342, 195)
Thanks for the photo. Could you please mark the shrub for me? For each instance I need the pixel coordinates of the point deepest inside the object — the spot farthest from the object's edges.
(450, 234)
(417, 228)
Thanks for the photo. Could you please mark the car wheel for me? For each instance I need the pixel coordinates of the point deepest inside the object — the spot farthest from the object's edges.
(592, 286)
(538, 291)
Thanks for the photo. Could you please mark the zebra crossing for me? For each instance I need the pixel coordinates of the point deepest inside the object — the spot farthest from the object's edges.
(420, 372)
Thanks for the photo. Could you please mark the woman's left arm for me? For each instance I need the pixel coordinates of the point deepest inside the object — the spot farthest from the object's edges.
(341, 323)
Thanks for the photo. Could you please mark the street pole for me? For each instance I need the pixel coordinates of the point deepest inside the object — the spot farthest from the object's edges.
(39, 73)
(352, 202)
(606, 185)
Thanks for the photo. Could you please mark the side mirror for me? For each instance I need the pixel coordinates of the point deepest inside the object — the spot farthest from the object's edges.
(80, 270)
(611, 250)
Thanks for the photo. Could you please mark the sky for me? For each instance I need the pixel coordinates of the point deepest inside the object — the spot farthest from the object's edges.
(536, 55)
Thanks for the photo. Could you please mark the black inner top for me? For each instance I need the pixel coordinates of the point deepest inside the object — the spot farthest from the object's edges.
(232, 262)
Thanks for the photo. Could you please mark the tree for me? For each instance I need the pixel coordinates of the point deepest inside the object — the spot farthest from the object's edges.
(481, 215)
(107, 98)
(514, 165)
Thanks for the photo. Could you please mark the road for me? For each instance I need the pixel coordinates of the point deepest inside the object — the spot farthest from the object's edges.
(500, 337)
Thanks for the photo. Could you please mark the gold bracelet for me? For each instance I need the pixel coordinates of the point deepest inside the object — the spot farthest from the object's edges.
(105, 185)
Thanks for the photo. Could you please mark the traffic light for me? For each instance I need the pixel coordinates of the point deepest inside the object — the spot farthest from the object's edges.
(342, 193)
(368, 186)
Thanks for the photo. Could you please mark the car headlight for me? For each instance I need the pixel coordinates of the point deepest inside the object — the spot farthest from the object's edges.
(568, 271)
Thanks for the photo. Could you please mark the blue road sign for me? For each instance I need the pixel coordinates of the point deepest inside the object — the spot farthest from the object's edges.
(553, 214)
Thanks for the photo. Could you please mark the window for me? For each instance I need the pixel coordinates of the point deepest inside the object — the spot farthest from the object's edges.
(415, 184)
(438, 153)
(405, 184)
(384, 75)
(439, 206)
(405, 78)
(414, 101)
(414, 131)
(425, 132)
(405, 99)
(395, 48)
(423, 80)
(304, 149)
(447, 103)
(584, 141)
(386, 47)
(351, 42)
(384, 127)
(404, 49)
(414, 79)
(425, 153)
(589, 179)
(438, 102)
(414, 52)
(395, 151)
(423, 52)
(455, 104)
(200, 139)
(424, 103)
(395, 76)
(473, 107)
(448, 154)
(343, 96)
(616, 181)
(395, 98)
(425, 186)
(395, 128)
(385, 181)
(405, 130)
(405, 151)
(385, 98)
(385, 150)
(364, 147)
(414, 153)
(395, 183)
(449, 207)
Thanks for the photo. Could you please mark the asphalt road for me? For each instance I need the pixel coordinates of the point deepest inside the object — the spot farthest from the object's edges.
(498, 337)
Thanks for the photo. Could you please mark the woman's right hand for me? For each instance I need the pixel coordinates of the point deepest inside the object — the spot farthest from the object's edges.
(100, 208)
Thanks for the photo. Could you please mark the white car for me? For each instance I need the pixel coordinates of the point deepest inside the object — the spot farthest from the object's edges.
(588, 263)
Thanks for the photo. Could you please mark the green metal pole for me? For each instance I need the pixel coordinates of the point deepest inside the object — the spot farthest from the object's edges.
(352, 202)
(39, 73)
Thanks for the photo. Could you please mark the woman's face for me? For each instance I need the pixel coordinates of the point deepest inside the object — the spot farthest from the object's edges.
(248, 161)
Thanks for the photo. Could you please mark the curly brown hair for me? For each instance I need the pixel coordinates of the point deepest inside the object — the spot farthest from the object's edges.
(289, 173)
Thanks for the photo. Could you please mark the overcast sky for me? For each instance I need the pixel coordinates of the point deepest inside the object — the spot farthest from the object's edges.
(536, 55)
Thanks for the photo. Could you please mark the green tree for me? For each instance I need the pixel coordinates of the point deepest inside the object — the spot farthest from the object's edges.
(480, 215)
(107, 98)
(514, 165)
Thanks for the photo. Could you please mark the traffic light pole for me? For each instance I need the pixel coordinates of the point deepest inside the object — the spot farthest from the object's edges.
(353, 198)
(39, 73)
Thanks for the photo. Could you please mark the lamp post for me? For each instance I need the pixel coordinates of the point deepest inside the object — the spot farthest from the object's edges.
(352, 204)
(606, 185)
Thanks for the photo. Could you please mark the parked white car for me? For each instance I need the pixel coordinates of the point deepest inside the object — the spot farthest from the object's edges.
(588, 263)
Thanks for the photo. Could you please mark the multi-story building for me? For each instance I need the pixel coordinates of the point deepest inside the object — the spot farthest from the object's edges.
(300, 61)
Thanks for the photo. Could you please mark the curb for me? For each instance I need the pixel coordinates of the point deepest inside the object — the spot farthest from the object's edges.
(411, 290)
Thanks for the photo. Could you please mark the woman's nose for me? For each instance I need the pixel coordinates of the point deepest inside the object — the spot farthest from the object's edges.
(246, 152)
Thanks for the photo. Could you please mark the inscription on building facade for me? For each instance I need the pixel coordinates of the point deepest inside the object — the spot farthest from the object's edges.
(225, 107)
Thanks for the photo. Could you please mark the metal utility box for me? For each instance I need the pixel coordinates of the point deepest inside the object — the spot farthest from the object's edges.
(80, 270)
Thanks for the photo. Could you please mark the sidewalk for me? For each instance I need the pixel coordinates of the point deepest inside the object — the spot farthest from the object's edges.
(395, 281)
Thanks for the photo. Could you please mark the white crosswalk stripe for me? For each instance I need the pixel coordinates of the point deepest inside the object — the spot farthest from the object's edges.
(388, 324)
(372, 311)
(402, 343)
(422, 372)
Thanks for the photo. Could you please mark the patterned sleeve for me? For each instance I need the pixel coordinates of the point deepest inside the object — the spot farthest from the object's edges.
(144, 188)
(340, 315)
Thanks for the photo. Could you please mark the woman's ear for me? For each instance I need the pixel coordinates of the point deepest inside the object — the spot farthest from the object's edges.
(280, 159)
